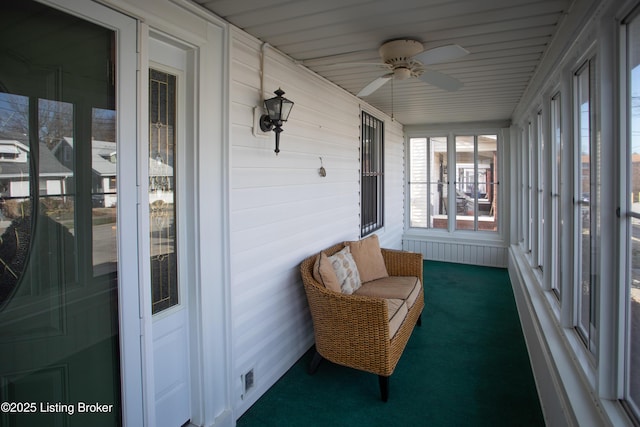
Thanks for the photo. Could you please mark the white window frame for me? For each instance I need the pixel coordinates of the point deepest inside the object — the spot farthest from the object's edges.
(528, 179)
(451, 232)
(429, 182)
(556, 157)
(540, 188)
(589, 337)
(626, 214)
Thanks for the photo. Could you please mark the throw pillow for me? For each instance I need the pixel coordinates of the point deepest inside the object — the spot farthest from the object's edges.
(346, 271)
(368, 258)
(324, 273)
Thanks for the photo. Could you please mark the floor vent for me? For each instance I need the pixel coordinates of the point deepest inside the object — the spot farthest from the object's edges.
(247, 382)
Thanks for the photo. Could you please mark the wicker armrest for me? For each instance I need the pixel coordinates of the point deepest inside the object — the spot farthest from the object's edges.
(401, 263)
(350, 330)
(348, 315)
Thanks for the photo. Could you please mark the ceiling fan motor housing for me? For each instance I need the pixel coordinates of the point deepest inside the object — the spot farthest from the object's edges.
(403, 50)
(398, 54)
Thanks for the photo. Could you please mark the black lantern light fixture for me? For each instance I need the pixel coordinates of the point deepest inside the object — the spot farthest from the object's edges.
(278, 109)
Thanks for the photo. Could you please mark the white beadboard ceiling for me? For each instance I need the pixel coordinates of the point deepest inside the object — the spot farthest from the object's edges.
(506, 40)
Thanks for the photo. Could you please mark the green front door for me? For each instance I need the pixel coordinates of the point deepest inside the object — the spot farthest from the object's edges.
(59, 328)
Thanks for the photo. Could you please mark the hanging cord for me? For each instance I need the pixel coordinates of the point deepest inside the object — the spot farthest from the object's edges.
(262, 55)
(392, 116)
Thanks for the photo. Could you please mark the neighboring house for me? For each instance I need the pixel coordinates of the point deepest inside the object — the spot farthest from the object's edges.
(103, 165)
(15, 173)
(635, 177)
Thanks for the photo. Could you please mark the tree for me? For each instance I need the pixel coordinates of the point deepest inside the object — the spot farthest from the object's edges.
(55, 120)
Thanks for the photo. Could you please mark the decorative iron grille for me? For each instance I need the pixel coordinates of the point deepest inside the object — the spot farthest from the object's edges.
(372, 175)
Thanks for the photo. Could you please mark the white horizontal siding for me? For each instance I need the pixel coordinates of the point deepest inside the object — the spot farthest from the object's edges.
(282, 211)
(393, 185)
(459, 252)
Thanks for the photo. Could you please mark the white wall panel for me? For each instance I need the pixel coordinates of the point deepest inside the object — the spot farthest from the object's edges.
(394, 185)
(282, 211)
(487, 253)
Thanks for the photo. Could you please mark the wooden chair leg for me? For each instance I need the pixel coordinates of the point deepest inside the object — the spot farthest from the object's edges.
(315, 362)
(384, 387)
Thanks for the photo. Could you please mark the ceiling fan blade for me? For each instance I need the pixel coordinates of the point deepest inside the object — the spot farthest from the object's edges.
(351, 64)
(440, 80)
(375, 85)
(441, 54)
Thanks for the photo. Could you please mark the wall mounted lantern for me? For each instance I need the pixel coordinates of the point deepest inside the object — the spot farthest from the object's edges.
(278, 109)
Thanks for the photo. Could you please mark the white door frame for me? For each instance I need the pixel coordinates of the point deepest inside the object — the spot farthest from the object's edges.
(207, 232)
(168, 55)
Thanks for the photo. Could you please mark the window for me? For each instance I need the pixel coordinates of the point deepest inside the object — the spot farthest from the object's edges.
(523, 218)
(472, 202)
(476, 182)
(556, 192)
(372, 175)
(632, 286)
(529, 176)
(428, 183)
(162, 197)
(540, 175)
(535, 170)
(585, 120)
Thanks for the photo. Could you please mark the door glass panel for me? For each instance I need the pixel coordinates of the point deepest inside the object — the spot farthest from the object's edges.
(59, 333)
(104, 197)
(162, 206)
(56, 203)
(15, 201)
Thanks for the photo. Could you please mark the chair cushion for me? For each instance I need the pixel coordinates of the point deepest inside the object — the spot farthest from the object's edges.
(346, 271)
(368, 257)
(324, 273)
(397, 310)
(406, 288)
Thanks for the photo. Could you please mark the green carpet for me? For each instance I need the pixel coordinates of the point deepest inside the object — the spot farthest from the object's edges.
(467, 365)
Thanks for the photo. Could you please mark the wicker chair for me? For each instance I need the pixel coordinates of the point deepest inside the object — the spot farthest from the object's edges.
(352, 330)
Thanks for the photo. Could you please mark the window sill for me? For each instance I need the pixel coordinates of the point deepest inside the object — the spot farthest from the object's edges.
(562, 367)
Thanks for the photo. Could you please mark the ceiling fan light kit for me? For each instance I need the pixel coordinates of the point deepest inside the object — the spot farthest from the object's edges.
(402, 73)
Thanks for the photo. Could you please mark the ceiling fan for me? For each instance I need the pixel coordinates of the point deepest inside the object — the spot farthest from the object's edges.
(406, 58)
